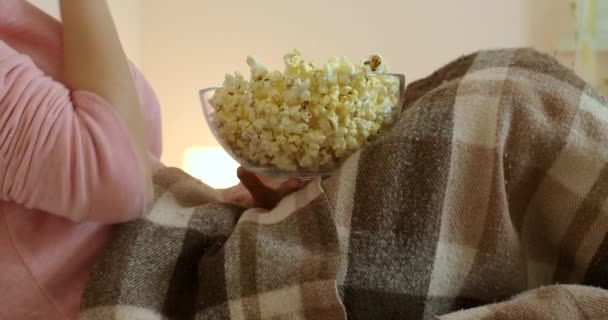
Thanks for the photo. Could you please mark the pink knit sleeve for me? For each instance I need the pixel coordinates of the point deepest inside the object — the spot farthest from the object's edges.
(151, 111)
(64, 153)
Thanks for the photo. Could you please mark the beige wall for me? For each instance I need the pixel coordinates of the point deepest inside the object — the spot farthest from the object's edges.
(192, 45)
(186, 45)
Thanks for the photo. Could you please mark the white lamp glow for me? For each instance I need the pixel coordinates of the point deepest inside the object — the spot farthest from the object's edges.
(212, 165)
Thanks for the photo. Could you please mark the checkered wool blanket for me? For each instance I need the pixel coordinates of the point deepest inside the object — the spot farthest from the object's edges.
(487, 200)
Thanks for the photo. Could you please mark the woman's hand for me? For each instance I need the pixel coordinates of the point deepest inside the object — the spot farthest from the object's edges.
(253, 192)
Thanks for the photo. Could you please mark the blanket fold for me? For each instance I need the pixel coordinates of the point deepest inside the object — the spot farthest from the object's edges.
(486, 200)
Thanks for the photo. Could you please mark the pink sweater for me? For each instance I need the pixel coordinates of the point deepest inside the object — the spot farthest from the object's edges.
(67, 165)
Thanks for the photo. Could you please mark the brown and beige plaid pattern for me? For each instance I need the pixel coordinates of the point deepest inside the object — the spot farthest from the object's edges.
(487, 200)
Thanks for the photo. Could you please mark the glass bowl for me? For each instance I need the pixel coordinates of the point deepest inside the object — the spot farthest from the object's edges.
(301, 173)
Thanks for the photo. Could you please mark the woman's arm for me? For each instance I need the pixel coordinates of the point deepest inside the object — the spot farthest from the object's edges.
(94, 60)
(64, 152)
(77, 153)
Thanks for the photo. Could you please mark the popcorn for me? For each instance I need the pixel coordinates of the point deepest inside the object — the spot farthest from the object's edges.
(306, 118)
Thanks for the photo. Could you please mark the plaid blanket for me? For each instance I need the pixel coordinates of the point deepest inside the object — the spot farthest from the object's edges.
(487, 200)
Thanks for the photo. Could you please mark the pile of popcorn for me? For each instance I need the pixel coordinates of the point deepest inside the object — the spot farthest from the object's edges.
(306, 118)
